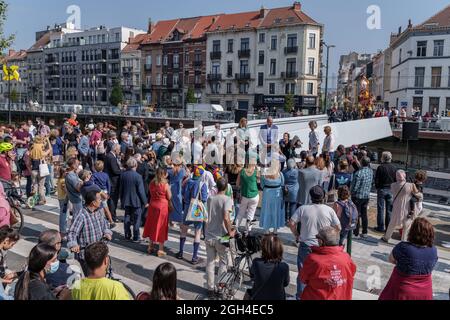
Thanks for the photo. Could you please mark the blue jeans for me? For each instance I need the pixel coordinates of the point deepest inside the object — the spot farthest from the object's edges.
(63, 216)
(76, 209)
(132, 218)
(303, 252)
(29, 186)
(290, 208)
(384, 201)
(49, 184)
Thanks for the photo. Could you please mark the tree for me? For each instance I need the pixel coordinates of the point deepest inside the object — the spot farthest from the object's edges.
(289, 103)
(14, 96)
(116, 94)
(5, 41)
(190, 96)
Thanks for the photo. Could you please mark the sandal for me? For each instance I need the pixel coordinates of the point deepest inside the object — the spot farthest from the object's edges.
(150, 249)
(161, 254)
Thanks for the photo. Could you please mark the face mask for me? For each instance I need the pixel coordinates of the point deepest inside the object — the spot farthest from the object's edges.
(54, 267)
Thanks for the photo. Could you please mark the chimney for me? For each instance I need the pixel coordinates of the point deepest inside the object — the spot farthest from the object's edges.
(263, 12)
(11, 52)
(409, 24)
(400, 30)
(150, 26)
(297, 6)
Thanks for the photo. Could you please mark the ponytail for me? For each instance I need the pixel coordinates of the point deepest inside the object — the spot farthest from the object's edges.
(21, 293)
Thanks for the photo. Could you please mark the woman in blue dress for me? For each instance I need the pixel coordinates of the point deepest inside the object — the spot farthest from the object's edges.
(272, 207)
(176, 176)
(291, 186)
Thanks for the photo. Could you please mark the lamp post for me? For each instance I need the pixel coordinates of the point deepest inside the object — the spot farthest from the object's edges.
(95, 93)
(326, 78)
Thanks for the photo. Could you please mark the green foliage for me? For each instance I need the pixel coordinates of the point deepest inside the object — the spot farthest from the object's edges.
(116, 97)
(5, 41)
(14, 96)
(289, 103)
(190, 96)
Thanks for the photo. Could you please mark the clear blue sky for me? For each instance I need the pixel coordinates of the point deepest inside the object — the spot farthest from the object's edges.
(344, 20)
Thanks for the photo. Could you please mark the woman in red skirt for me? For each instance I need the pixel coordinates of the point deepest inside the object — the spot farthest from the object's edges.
(157, 223)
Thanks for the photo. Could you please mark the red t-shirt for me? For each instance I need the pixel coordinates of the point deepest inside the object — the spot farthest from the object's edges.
(328, 273)
(5, 169)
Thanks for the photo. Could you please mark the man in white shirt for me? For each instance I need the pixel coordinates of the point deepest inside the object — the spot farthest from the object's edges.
(218, 133)
(312, 219)
(329, 142)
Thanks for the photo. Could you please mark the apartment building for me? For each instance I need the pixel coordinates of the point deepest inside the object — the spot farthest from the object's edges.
(19, 89)
(132, 64)
(257, 58)
(420, 72)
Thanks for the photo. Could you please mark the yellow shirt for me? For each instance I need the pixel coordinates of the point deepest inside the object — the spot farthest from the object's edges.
(99, 289)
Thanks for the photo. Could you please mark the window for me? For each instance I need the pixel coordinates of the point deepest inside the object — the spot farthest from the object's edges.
(216, 68)
(434, 103)
(164, 80)
(176, 79)
(273, 43)
(117, 37)
(158, 60)
(311, 65)
(186, 57)
(421, 48)
(198, 56)
(448, 84)
(262, 37)
(418, 103)
(436, 77)
(310, 88)
(290, 88)
(438, 48)
(229, 68)
(215, 88)
(271, 88)
(245, 44)
(292, 40)
(447, 106)
(244, 67)
(312, 41)
(400, 56)
(260, 79)
(216, 46)
(176, 59)
(148, 81)
(230, 45)
(229, 88)
(243, 88)
(261, 57)
(273, 67)
(165, 60)
(291, 66)
(420, 78)
(149, 60)
(398, 80)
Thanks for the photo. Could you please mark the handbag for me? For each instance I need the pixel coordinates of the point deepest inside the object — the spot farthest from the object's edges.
(197, 210)
(43, 169)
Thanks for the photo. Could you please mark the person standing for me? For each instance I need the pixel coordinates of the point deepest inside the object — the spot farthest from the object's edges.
(272, 206)
(313, 139)
(157, 223)
(384, 178)
(361, 187)
(176, 177)
(38, 155)
(414, 262)
(268, 137)
(308, 178)
(133, 200)
(247, 183)
(329, 144)
(291, 189)
(168, 130)
(403, 192)
(286, 149)
(217, 226)
(312, 218)
(113, 170)
(73, 186)
(328, 272)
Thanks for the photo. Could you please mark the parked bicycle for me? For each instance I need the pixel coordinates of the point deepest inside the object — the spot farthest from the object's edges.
(14, 197)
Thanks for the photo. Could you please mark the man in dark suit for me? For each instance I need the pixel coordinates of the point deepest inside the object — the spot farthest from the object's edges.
(133, 199)
(112, 168)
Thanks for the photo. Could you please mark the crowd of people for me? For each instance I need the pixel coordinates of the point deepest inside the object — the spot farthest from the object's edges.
(215, 184)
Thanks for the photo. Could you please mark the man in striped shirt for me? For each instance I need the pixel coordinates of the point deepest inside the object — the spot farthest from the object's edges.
(88, 227)
(361, 187)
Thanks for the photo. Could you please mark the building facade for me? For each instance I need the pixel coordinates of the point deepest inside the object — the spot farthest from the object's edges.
(17, 89)
(257, 58)
(420, 72)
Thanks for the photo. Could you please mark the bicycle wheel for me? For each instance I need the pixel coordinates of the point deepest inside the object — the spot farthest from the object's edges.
(19, 217)
(130, 291)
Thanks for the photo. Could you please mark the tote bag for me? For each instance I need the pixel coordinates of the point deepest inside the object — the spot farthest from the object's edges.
(43, 169)
(197, 210)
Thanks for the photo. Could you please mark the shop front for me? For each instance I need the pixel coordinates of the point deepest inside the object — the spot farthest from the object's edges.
(307, 105)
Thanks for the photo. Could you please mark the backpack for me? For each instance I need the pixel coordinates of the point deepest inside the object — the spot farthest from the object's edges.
(349, 216)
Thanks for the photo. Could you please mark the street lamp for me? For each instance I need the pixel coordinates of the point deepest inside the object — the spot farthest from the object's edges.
(95, 93)
(326, 79)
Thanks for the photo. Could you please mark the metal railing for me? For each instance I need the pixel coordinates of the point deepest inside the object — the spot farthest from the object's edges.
(141, 112)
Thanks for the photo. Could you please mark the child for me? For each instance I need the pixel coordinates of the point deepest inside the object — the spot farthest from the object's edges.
(101, 179)
(63, 200)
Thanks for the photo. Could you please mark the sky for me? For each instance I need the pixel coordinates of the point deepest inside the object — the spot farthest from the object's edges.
(345, 21)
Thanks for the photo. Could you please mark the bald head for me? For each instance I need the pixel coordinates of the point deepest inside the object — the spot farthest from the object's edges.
(310, 161)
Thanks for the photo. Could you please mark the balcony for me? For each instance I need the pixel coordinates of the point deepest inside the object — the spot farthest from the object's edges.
(52, 74)
(244, 53)
(291, 49)
(214, 77)
(127, 70)
(114, 57)
(148, 67)
(289, 75)
(199, 63)
(52, 60)
(242, 76)
(216, 55)
(176, 66)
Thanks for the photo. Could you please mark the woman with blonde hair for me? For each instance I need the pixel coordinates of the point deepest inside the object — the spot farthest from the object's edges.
(37, 156)
(157, 224)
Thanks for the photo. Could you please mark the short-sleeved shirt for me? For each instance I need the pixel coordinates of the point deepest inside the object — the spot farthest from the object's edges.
(22, 135)
(99, 289)
(217, 206)
(413, 260)
(313, 218)
(72, 182)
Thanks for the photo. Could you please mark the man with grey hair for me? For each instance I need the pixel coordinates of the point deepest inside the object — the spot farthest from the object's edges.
(60, 271)
(113, 170)
(133, 199)
(328, 272)
(384, 177)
